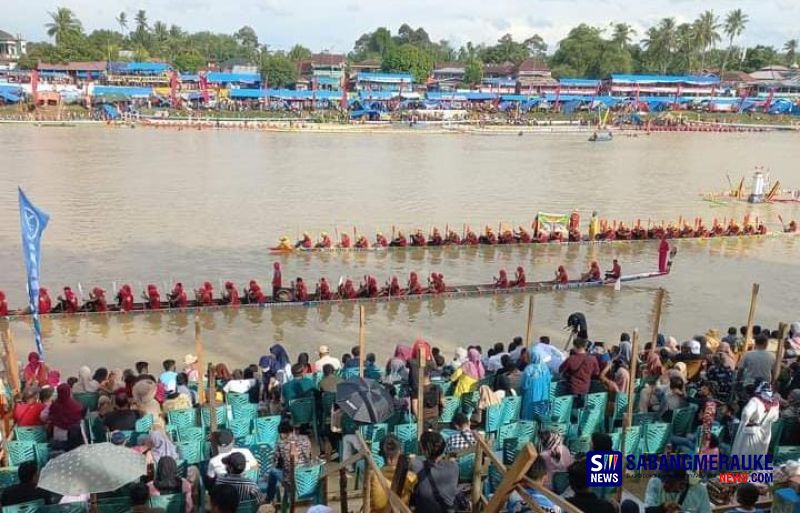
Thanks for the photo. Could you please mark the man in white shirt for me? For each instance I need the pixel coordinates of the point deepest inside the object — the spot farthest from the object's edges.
(225, 447)
(550, 356)
(326, 358)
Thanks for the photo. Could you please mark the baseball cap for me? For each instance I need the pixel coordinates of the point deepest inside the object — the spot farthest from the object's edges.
(224, 437)
(236, 462)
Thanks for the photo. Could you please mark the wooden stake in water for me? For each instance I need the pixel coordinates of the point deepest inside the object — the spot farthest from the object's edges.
(748, 338)
(529, 326)
(362, 340)
(198, 351)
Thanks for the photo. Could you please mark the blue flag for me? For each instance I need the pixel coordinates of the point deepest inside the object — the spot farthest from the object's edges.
(33, 222)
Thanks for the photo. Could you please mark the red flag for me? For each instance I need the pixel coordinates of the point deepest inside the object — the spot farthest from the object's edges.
(35, 86)
(768, 103)
(203, 78)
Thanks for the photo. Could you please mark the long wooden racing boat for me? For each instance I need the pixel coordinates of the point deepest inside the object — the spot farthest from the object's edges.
(456, 247)
(460, 291)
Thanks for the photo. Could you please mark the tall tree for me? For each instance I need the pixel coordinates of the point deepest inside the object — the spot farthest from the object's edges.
(733, 27)
(790, 47)
(706, 33)
(141, 35)
(622, 34)
(409, 58)
(122, 21)
(299, 53)
(63, 24)
(247, 37)
(278, 70)
(506, 50)
(473, 71)
(660, 42)
(536, 45)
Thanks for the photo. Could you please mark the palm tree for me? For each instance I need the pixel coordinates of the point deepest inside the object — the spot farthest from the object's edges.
(734, 25)
(160, 31)
(660, 42)
(706, 33)
(122, 21)
(791, 51)
(622, 34)
(64, 23)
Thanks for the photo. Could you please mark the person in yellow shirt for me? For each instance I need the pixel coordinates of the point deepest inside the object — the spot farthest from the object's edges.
(594, 226)
(395, 474)
(469, 374)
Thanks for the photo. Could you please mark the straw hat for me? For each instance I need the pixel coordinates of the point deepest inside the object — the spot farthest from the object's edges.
(189, 359)
(323, 350)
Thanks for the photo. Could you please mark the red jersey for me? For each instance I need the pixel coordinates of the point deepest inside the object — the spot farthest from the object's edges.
(300, 291)
(153, 298)
(45, 304)
(324, 290)
(3, 304)
(381, 241)
(70, 300)
(232, 294)
(345, 243)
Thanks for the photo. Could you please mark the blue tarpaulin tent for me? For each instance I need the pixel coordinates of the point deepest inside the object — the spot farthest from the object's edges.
(9, 97)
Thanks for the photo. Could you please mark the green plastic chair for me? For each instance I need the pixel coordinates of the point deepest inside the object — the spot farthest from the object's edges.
(620, 408)
(87, 399)
(265, 456)
(266, 430)
(20, 452)
(561, 409)
(307, 486)
(8, 476)
(616, 440)
(407, 434)
(95, 427)
(451, 405)
(494, 417)
(42, 450)
(560, 482)
(656, 435)
(114, 505)
(30, 434)
(25, 507)
(777, 433)
(303, 411)
(144, 425)
(469, 403)
(682, 420)
(373, 432)
(511, 409)
(240, 428)
(234, 400)
(70, 507)
(182, 418)
(247, 506)
(580, 445)
(170, 503)
(221, 411)
(192, 452)
(633, 440)
(247, 412)
(192, 434)
(466, 467)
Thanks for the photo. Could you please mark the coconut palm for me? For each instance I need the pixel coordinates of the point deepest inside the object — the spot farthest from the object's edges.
(706, 34)
(122, 21)
(660, 42)
(622, 34)
(141, 21)
(733, 27)
(64, 23)
(791, 51)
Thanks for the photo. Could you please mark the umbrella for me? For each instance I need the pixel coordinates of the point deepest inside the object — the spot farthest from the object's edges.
(94, 468)
(364, 400)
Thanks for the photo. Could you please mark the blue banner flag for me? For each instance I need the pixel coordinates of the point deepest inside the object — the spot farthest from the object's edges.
(33, 222)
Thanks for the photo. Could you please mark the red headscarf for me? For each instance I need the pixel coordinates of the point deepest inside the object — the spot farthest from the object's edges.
(421, 345)
(65, 411)
(36, 370)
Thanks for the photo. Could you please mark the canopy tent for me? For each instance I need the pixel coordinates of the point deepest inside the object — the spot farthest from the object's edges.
(665, 79)
(9, 97)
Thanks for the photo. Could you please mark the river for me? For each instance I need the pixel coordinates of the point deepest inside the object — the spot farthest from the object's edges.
(153, 205)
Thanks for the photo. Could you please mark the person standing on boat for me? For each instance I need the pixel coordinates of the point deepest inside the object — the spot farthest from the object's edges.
(414, 286)
(305, 242)
(663, 254)
(230, 296)
(177, 298)
(276, 278)
(45, 304)
(324, 290)
(3, 304)
(519, 280)
(594, 226)
(502, 281)
(324, 241)
(616, 271)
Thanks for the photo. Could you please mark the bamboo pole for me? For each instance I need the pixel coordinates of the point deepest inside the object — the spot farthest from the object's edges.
(362, 340)
(529, 325)
(783, 333)
(657, 318)
(212, 397)
(12, 361)
(477, 473)
(420, 391)
(343, 490)
(367, 501)
(510, 479)
(199, 352)
(748, 338)
(395, 501)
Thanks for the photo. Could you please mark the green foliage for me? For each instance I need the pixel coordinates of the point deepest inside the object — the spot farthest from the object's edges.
(758, 57)
(278, 70)
(473, 71)
(506, 50)
(409, 58)
(299, 53)
(584, 53)
(63, 24)
(189, 61)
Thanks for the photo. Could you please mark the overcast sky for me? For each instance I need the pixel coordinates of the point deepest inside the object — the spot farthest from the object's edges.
(334, 25)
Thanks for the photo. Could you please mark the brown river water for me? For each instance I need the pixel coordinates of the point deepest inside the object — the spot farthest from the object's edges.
(144, 205)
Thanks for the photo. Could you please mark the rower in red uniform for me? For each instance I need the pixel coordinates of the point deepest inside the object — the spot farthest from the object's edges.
(152, 297)
(3, 304)
(177, 298)
(663, 253)
(205, 295)
(347, 291)
(324, 290)
(519, 280)
(362, 242)
(230, 296)
(300, 290)
(276, 278)
(557, 236)
(393, 289)
(733, 228)
(381, 241)
(489, 236)
(45, 303)
(561, 275)
(324, 241)
(254, 293)
(574, 222)
(453, 238)
(471, 238)
(506, 237)
(98, 299)
(502, 281)
(345, 242)
(523, 236)
(69, 301)
(414, 286)
(616, 271)
(593, 274)
(305, 242)
(400, 241)
(418, 239)
(623, 232)
(436, 238)
(437, 283)
(125, 298)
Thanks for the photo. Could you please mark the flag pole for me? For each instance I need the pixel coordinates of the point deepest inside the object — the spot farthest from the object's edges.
(199, 350)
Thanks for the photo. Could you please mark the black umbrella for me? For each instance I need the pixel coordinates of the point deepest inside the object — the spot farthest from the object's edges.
(364, 400)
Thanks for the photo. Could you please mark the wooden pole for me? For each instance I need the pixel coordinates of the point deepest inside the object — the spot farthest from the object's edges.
(510, 479)
(657, 318)
(529, 326)
(212, 397)
(420, 391)
(783, 333)
(12, 361)
(748, 338)
(367, 488)
(475, 496)
(632, 381)
(362, 340)
(199, 352)
(343, 490)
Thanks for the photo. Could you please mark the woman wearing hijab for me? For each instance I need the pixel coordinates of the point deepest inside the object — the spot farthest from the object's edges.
(167, 481)
(720, 375)
(460, 358)
(85, 382)
(36, 371)
(535, 389)
(64, 414)
(555, 455)
(467, 376)
(758, 415)
(302, 359)
(284, 373)
(625, 352)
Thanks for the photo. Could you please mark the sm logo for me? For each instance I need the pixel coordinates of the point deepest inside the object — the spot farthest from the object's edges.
(603, 469)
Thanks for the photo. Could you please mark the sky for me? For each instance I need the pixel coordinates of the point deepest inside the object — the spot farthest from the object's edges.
(333, 25)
